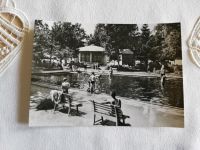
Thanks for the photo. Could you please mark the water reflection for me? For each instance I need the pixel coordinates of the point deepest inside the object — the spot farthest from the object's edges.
(137, 88)
(149, 89)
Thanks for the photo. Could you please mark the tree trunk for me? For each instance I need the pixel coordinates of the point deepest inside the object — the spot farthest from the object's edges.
(50, 56)
(51, 52)
(118, 58)
(146, 64)
(133, 63)
(118, 62)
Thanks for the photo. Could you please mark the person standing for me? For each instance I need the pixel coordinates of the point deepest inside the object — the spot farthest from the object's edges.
(92, 80)
(162, 75)
(65, 86)
(85, 67)
(110, 72)
(63, 64)
(65, 89)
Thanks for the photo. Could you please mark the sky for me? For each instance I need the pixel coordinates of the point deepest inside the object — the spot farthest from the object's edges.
(90, 27)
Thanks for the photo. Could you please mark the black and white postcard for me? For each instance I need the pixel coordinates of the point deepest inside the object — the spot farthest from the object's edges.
(106, 75)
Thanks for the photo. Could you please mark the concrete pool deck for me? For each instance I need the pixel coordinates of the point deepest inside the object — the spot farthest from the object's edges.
(141, 114)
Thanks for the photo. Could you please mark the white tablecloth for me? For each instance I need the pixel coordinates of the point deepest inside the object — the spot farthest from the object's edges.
(15, 82)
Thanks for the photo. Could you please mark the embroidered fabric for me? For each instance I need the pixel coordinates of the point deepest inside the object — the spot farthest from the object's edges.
(194, 43)
(13, 26)
(7, 3)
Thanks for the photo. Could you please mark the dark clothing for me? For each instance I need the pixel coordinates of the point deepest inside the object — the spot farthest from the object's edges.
(62, 98)
(85, 67)
(65, 96)
(162, 74)
(117, 102)
(65, 88)
(92, 86)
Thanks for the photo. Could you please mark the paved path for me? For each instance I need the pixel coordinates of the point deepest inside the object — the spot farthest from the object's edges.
(141, 114)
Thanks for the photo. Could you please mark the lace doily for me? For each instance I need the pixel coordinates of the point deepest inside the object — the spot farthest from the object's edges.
(194, 44)
(13, 26)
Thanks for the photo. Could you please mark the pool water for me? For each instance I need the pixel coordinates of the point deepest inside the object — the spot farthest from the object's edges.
(146, 89)
(149, 89)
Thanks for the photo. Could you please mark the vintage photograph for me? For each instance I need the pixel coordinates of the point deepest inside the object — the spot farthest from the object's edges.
(106, 75)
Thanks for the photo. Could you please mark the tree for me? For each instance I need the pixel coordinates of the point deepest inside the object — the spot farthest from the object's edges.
(61, 39)
(168, 38)
(173, 41)
(40, 44)
(115, 37)
(134, 37)
(154, 48)
(144, 39)
(69, 37)
(100, 37)
(41, 30)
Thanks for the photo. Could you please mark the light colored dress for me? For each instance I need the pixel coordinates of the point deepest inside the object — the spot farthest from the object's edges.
(65, 87)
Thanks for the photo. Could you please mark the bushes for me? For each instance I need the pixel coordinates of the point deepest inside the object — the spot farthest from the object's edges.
(123, 68)
(178, 69)
(140, 67)
(153, 65)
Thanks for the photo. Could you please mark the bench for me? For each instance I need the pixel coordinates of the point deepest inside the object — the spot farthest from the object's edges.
(69, 103)
(110, 111)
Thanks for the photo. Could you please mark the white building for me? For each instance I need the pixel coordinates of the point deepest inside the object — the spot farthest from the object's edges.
(93, 54)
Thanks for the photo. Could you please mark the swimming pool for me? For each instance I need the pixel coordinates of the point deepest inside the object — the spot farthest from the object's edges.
(146, 89)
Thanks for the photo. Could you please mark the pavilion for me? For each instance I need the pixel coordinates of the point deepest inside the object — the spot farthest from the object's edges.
(127, 57)
(93, 54)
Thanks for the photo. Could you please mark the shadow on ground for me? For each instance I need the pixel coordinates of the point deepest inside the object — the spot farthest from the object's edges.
(73, 112)
(111, 123)
(47, 104)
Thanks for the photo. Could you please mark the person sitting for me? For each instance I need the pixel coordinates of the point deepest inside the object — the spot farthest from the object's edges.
(65, 89)
(115, 102)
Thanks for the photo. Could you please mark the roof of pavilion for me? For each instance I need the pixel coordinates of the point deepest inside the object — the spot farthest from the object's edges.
(91, 48)
(126, 51)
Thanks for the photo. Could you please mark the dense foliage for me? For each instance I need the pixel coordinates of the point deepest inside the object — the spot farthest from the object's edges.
(161, 44)
(62, 39)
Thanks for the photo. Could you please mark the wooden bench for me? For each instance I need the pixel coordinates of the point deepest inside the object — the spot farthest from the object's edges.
(69, 103)
(108, 111)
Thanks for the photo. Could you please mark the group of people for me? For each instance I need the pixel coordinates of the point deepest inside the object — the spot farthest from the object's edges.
(93, 81)
(58, 96)
(92, 86)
